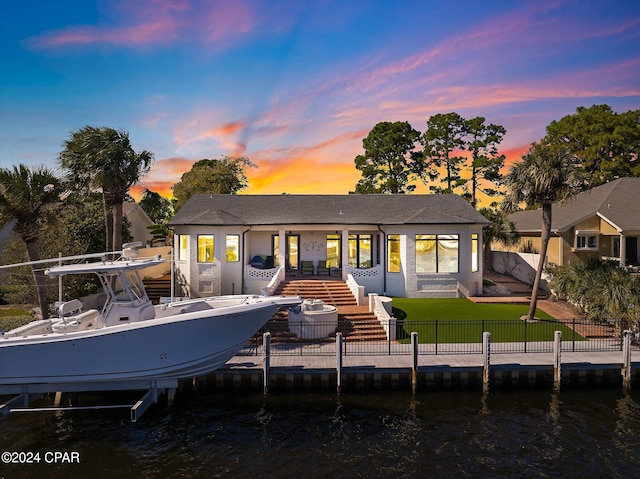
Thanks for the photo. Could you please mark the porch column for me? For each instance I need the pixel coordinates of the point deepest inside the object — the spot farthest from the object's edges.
(623, 250)
(344, 253)
(282, 245)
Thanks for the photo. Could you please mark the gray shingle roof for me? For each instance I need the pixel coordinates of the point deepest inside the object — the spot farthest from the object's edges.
(617, 201)
(253, 210)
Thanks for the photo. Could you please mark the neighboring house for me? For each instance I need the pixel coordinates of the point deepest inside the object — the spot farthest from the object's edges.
(401, 245)
(603, 222)
(139, 221)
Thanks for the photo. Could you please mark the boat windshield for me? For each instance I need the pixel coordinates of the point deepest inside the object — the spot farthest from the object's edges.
(128, 287)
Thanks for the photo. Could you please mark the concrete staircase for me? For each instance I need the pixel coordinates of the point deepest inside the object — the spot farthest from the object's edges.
(355, 322)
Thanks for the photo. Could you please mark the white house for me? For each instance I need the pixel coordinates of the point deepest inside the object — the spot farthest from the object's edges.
(399, 245)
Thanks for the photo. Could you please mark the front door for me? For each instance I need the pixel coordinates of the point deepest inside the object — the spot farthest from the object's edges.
(293, 252)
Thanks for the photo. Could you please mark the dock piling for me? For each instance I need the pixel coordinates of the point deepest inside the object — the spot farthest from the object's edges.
(266, 341)
(557, 359)
(338, 362)
(414, 362)
(486, 360)
(626, 359)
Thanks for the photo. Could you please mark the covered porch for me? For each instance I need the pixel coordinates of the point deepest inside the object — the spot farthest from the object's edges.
(315, 252)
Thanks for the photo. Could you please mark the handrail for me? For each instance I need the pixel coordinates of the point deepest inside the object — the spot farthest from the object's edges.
(276, 279)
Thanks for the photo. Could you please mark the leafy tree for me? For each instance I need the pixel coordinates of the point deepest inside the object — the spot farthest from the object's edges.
(103, 159)
(545, 175)
(500, 229)
(25, 194)
(160, 210)
(445, 135)
(226, 176)
(482, 142)
(387, 164)
(72, 227)
(157, 207)
(606, 143)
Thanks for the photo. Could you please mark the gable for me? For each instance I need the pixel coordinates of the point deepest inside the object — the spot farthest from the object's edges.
(615, 202)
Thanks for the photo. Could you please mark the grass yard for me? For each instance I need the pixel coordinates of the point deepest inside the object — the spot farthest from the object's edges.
(13, 317)
(463, 321)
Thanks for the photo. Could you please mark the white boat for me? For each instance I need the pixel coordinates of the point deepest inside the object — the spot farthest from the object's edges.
(130, 338)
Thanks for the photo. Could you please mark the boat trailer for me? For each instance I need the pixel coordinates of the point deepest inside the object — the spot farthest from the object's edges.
(25, 394)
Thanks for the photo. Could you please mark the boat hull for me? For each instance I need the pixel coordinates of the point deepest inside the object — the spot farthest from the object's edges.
(173, 347)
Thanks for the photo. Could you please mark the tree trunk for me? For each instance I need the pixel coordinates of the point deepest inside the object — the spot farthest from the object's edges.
(38, 277)
(108, 225)
(117, 226)
(545, 234)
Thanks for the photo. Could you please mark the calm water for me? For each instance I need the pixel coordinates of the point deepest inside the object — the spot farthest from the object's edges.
(586, 433)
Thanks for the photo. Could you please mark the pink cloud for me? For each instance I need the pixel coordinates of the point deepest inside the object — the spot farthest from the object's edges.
(149, 23)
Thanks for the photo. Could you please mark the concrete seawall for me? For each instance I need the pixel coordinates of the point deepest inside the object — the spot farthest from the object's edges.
(396, 373)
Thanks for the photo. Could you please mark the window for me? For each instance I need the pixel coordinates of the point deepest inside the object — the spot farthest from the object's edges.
(615, 247)
(393, 253)
(360, 251)
(205, 249)
(233, 248)
(587, 242)
(333, 251)
(436, 253)
(474, 253)
(183, 241)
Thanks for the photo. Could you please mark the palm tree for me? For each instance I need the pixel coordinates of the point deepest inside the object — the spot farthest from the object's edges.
(24, 196)
(601, 288)
(103, 158)
(546, 174)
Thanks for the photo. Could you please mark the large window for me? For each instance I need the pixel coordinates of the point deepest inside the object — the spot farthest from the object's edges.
(589, 242)
(474, 253)
(183, 241)
(333, 251)
(360, 251)
(205, 249)
(393, 253)
(233, 248)
(437, 253)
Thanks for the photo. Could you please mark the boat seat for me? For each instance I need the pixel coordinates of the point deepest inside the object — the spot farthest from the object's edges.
(90, 319)
(68, 307)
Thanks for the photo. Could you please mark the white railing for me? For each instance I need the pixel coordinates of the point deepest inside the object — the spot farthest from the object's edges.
(371, 278)
(380, 306)
(276, 279)
(356, 289)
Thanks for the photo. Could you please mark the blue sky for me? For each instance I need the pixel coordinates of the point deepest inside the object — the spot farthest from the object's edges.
(296, 85)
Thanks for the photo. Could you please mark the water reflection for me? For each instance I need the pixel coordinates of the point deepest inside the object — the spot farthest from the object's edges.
(593, 433)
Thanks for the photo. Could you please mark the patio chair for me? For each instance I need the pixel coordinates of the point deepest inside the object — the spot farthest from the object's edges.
(306, 267)
(323, 267)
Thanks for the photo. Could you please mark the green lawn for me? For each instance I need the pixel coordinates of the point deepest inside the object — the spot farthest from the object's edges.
(463, 321)
(13, 317)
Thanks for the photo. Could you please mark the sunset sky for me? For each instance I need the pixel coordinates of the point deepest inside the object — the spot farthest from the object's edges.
(296, 85)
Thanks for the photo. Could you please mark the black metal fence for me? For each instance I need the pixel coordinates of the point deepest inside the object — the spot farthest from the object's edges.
(436, 337)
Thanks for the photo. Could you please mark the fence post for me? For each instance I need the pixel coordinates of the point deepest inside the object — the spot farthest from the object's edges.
(414, 362)
(626, 359)
(266, 341)
(338, 362)
(557, 360)
(486, 360)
